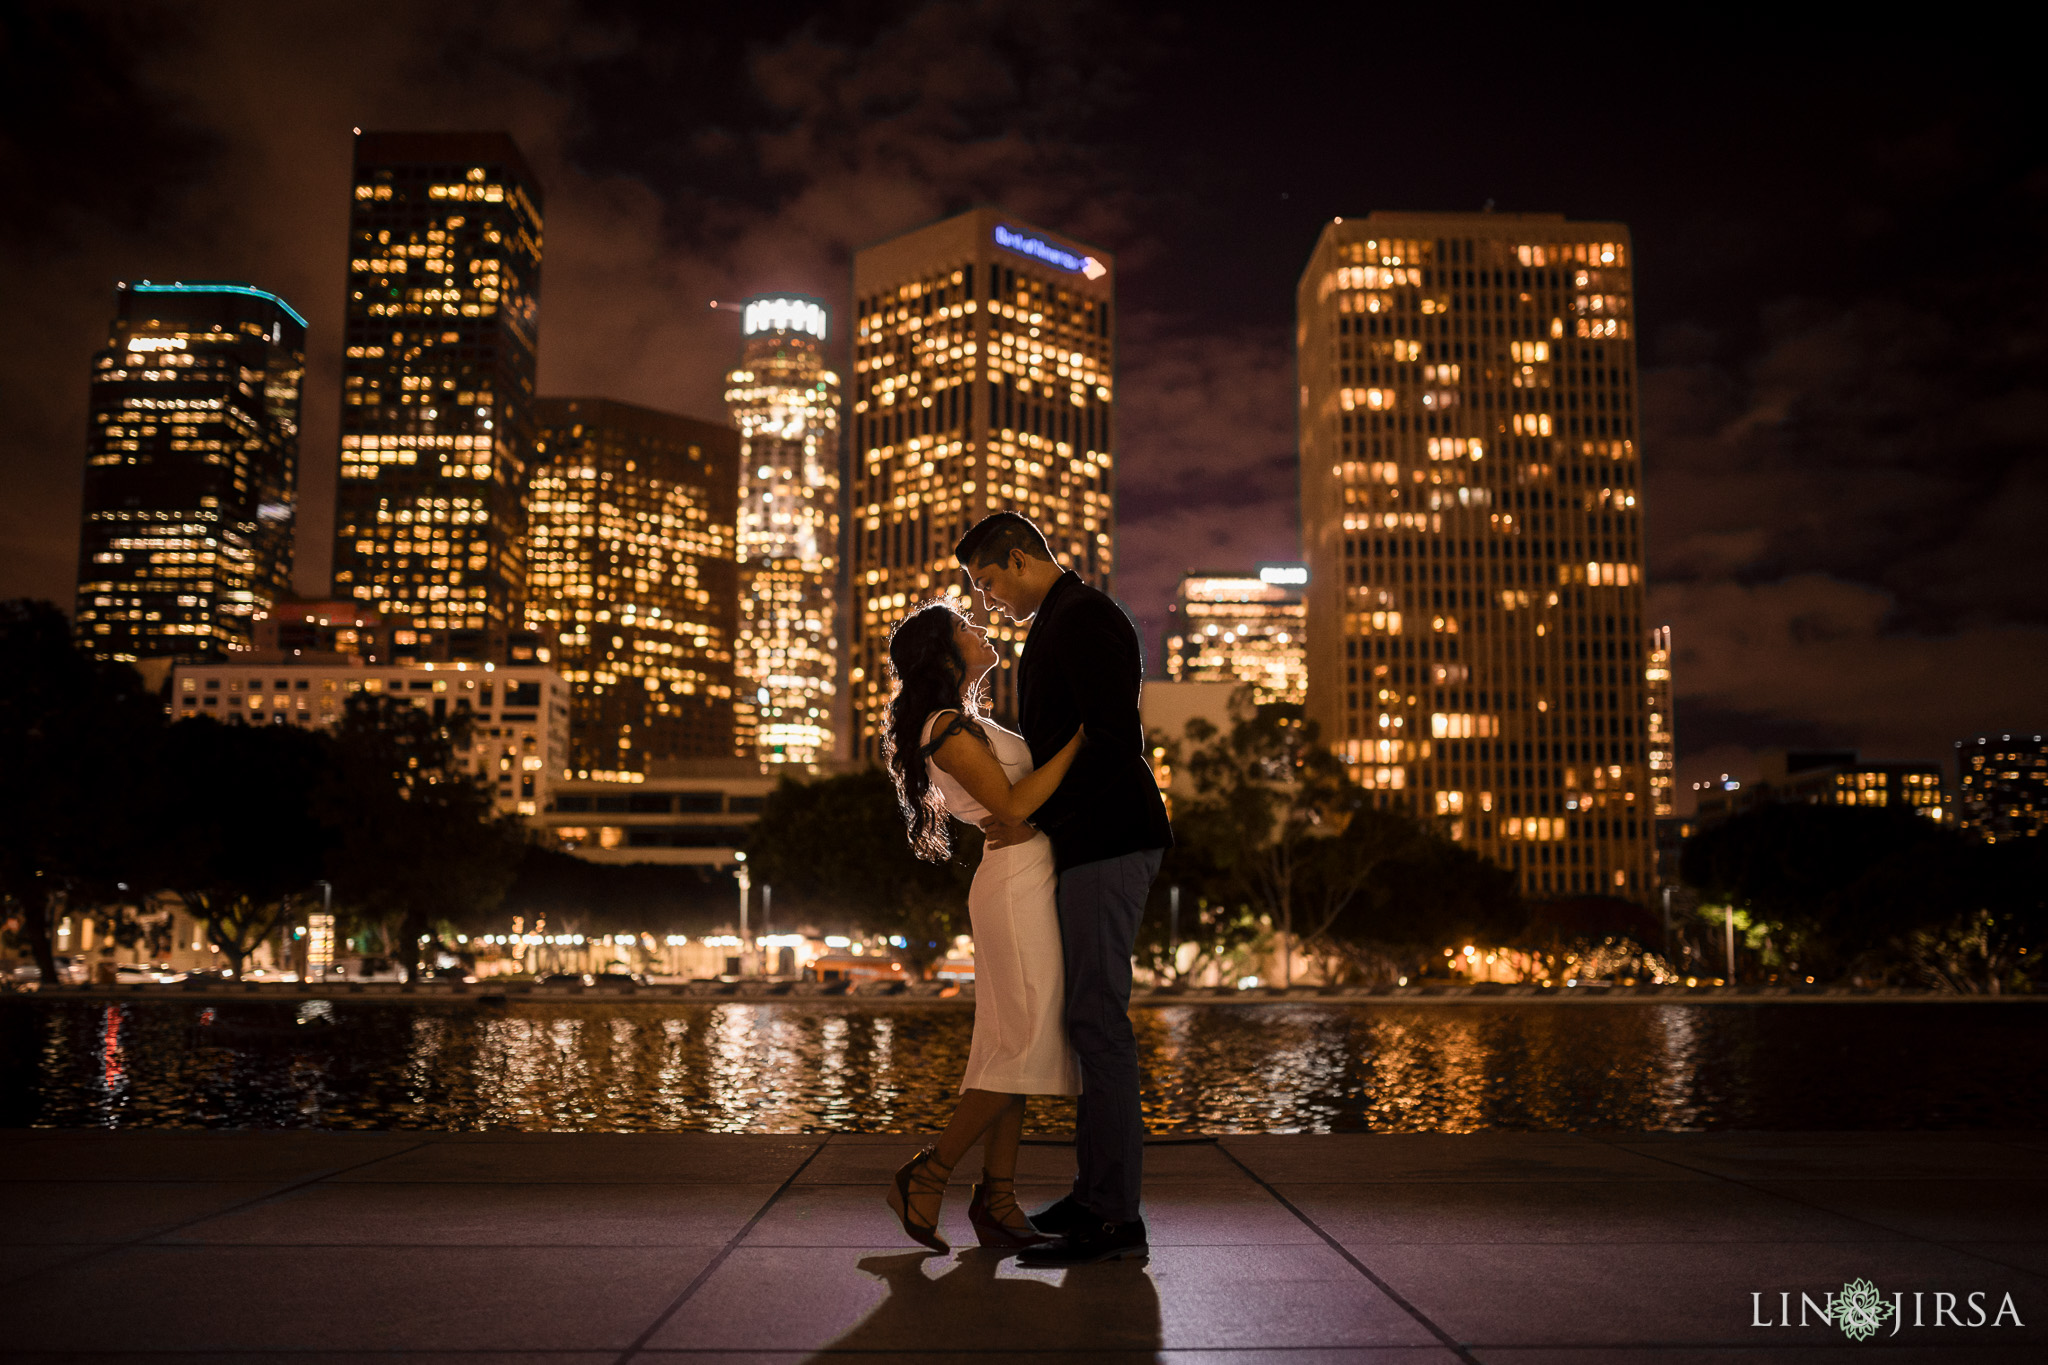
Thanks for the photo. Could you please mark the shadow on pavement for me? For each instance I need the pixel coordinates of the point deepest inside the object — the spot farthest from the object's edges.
(973, 1307)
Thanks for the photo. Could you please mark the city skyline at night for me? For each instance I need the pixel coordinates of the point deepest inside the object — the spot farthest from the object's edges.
(1835, 443)
(1573, 499)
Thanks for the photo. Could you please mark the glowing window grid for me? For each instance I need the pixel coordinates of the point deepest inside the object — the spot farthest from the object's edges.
(1471, 511)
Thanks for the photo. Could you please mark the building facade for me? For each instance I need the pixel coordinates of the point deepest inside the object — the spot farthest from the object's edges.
(441, 319)
(632, 574)
(785, 402)
(2004, 786)
(1470, 502)
(297, 627)
(696, 813)
(191, 470)
(1827, 777)
(1250, 628)
(984, 351)
(519, 735)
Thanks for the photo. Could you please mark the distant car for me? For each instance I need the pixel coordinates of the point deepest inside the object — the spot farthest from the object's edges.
(565, 979)
(71, 971)
(145, 973)
(616, 979)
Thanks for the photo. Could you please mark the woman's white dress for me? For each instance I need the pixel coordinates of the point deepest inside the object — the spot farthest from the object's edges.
(1020, 1039)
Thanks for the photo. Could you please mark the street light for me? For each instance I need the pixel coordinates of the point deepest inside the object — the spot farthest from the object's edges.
(1729, 918)
(314, 941)
(1173, 934)
(746, 885)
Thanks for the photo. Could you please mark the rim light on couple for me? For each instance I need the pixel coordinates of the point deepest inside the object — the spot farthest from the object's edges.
(1075, 830)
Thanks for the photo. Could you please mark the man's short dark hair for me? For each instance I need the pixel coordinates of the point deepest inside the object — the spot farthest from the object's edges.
(990, 540)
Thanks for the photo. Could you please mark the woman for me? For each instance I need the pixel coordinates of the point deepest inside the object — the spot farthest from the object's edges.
(947, 759)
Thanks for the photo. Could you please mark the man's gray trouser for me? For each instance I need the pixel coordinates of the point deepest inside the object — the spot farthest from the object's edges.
(1100, 905)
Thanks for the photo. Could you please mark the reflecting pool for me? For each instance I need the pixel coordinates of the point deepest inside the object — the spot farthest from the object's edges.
(838, 1066)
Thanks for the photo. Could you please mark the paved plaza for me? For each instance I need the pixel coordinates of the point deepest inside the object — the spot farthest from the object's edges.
(546, 1249)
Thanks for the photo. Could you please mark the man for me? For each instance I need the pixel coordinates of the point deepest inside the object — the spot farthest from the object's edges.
(1082, 667)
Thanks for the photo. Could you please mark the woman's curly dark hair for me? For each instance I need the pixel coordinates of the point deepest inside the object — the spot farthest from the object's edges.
(929, 673)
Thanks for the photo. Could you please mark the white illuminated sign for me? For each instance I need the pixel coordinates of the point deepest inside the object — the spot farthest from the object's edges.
(1284, 573)
(156, 343)
(783, 315)
(1058, 257)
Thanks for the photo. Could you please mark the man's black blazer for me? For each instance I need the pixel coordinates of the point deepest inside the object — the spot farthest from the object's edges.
(1082, 667)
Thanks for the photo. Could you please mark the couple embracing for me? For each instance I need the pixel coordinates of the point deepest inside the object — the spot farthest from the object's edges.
(1075, 831)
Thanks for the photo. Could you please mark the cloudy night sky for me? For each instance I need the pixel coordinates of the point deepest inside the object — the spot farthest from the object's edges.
(1839, 241)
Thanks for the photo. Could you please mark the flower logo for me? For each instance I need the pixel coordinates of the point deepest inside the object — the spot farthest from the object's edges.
(1860, 1310)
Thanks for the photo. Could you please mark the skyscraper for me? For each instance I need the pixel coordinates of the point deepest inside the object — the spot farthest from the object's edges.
(1242, 627)
(2004, 786)
(1469, 489)
(631, 556)
(191, 470)
(437, 381)
(983, 356)
(785, 403)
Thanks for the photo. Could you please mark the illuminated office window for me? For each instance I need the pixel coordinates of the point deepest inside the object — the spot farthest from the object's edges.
(191, 470)
(438, 380)
(983, 360)
(1471, 510)
(785, 403)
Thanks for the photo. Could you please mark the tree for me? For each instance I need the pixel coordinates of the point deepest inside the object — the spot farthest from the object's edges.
(1875, 891)
(1211, 929)
(416, 841)
(1267, 799)
(74, 736)
(1598, 936)
(1285, 832)
(238, 839)
(1425, 892)
(835, 851)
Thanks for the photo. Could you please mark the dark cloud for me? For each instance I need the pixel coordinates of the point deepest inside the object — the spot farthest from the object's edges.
(1838, 240)
(1846, 487)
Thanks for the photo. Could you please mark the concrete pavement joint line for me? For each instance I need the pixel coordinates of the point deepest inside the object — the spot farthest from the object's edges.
(212, 1213)
(1889, 1233)
(723, 1252)
(1360, 1266)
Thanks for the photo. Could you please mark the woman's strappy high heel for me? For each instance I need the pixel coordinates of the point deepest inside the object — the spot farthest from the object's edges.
(997, 1220)
(917, 1175)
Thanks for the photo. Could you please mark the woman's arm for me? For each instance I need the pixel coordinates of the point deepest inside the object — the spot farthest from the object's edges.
(969, 761)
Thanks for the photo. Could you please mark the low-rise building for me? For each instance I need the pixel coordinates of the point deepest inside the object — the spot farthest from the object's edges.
(1823, 777)
(690, 811)
(519, 729)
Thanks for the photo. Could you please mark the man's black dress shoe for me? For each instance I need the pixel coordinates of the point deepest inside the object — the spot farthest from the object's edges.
(1090, 1245)
(1059, 1219)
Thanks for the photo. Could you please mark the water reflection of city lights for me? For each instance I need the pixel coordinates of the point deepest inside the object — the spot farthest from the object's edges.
(845, 1066)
